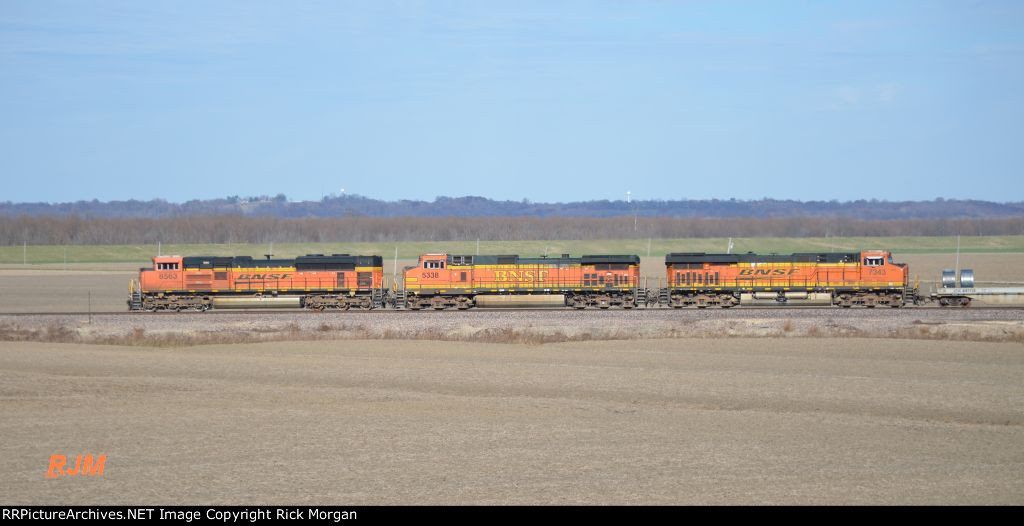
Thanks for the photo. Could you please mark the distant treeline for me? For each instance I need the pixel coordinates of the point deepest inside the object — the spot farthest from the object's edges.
(470, 206)
(73, 230)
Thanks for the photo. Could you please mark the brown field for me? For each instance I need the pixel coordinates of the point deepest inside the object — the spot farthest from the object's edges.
(640, 422)
(49, 288)
(63, 291)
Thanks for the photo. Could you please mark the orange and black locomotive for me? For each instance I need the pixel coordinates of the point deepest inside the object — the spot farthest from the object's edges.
(441, 281)
(316, 281)
(866, 279)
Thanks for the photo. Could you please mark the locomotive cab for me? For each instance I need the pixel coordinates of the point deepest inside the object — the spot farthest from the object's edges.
(167, 263)
(434, 261)
(879, 268)
(431, 271)
(166, 274)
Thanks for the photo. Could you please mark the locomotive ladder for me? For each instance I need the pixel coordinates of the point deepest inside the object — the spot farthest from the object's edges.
(377, 298)
(641, 297)
(909, 296)
(400, 299)
(915, 293)
(134, 295)
(663, 296)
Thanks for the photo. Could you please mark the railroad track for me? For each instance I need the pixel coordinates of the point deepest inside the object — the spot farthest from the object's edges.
(246, 312)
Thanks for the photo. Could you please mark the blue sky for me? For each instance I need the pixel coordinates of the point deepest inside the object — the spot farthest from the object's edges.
(550, 101)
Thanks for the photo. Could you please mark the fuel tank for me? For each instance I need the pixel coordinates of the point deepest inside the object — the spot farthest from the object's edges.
(258, 302)
(532, 301)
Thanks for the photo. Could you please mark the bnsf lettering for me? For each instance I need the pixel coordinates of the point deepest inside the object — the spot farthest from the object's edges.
(520, 275)
(263, 276)
(767, 272)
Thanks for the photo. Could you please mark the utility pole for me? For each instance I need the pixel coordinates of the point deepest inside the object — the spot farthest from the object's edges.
(394, 276)
(957, 257)
(628, 201)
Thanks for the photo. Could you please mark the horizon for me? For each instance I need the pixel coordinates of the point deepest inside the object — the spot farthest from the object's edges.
(116, 100)
(435, 199)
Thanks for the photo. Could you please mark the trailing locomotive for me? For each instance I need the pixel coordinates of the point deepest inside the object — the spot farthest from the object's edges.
(315, 281)
(866, 279)
(441, 281)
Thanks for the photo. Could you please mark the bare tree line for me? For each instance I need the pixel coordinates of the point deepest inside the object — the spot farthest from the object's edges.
(71, 230)
(474, 206)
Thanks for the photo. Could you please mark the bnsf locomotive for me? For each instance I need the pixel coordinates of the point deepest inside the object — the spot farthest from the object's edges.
(723, 280)
(445, 281)
(441, 281)
(338, 281)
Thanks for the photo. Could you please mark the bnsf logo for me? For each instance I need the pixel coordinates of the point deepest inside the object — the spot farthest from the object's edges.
(767, 272)
(519, 275)
(264, 276)
(86, 466)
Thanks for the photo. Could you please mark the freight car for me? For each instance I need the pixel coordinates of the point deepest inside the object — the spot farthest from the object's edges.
(315, 281)
(441, 281)
(962, 291)
(868, 279)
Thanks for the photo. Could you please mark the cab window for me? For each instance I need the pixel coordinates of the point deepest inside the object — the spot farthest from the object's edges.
(433, 264)
(873, 262)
